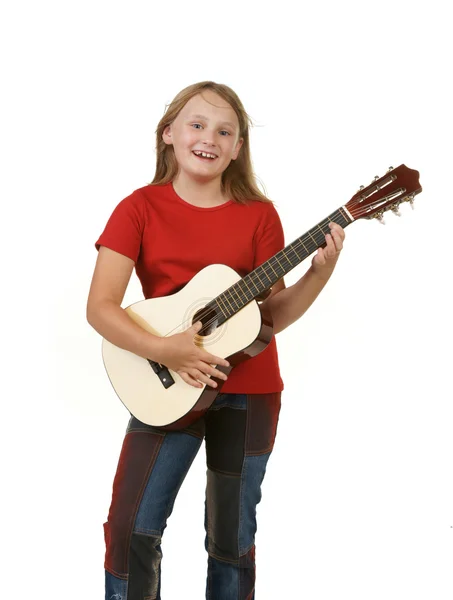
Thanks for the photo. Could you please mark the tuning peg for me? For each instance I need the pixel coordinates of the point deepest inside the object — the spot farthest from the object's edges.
(380, 218)
(376, 177)
(360, 188)
(411, 200)
(389, 169)
(396, 210)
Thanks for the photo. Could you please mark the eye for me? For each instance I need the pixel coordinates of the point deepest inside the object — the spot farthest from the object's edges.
(226, 132)
(196, 125)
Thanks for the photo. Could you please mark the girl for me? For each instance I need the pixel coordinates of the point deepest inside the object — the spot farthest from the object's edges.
(203, 207)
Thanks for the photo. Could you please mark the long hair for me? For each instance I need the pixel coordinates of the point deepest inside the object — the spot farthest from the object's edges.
(239, 182)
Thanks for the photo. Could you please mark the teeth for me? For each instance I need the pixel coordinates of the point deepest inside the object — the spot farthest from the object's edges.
(205, 154)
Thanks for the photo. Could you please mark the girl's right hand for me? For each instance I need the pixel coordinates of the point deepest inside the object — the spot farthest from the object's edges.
(179, 353)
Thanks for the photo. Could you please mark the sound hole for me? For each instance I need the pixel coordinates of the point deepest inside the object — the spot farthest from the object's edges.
(208, 317)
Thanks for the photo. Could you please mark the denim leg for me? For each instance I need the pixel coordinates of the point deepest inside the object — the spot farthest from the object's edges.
(151, 469)
(240, 434)
(115, 588)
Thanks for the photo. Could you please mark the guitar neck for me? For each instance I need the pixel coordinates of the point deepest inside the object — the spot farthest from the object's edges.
(266, 275)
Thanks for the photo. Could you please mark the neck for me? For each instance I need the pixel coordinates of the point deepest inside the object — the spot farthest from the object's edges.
(263, 277)
(199, 193)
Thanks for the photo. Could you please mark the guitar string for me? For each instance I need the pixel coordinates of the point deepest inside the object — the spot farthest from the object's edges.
(300, 242)
(294, 245)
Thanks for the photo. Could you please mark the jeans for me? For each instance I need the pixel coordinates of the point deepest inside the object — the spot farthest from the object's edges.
(239, 430)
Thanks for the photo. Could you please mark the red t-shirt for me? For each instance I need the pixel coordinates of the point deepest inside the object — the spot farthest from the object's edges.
(171, 240)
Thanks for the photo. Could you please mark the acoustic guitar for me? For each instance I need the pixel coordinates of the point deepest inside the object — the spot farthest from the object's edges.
(235, 325)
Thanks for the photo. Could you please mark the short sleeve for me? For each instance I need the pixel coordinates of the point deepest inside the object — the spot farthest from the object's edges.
(269, 237)
(124, 229)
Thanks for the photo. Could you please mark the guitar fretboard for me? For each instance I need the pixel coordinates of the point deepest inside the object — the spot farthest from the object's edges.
(263, 277)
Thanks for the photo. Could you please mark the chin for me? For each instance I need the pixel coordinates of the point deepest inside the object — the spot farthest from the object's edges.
(204, 174)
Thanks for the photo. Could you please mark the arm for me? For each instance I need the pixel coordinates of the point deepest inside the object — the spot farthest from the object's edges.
(104, 313)
(287, 305)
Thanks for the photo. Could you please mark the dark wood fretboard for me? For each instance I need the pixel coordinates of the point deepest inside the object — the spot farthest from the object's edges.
(263, 277)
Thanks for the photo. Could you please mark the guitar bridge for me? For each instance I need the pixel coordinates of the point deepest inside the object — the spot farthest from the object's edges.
(162, 372)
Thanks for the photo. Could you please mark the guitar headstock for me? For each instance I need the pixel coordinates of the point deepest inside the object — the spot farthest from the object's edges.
(385, 193)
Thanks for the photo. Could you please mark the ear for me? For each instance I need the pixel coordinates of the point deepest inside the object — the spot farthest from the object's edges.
(166, 135)
(237, 148)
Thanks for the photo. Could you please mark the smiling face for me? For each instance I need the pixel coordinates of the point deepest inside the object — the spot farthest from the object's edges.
(205, 137)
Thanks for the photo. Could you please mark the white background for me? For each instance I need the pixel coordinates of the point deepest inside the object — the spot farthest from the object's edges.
(357, 501)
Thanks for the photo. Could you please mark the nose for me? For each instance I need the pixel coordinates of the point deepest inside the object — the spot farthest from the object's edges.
(208, 137)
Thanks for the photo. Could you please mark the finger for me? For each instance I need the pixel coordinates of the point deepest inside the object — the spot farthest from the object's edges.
(196, 327)
(216, 373)
(214, 360)
(334, 225)
(338, 242)
(329, 250)
(209, 370)
(319, 257)
(200, 376)
(188, 379)
(335, 228)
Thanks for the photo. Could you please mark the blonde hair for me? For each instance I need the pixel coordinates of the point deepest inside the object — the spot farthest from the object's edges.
(239, 182)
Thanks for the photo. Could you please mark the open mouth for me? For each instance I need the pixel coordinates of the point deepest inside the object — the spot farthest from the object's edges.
(204, 156)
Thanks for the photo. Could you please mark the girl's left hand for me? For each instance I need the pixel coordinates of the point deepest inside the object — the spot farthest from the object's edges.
(325, 259)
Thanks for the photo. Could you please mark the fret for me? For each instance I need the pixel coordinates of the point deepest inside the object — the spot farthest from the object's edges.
(320, 229)
(288, 259)
(278, 269)
(291, 250)
(226, 300)
(306, 250)
(319, 238)
(294, 246)
(250, 278)
(267, 274)
(233, 289)
(244, 292)
(312, 237)
(283, 253)
(256, 273)
(218, 304)
(232, 300)
(264, 271)
(279, 263)
(346, 217)
(248, 289)
(269, 262)
(228, 309)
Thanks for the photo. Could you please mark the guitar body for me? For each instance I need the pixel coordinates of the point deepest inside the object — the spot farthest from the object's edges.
(242, 336)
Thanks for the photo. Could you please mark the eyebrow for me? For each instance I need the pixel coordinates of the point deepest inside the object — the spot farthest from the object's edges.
(206, 119)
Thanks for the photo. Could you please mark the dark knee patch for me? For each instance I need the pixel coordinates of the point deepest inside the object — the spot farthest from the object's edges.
(223, 509)
(144, 563)
(225, 438)
(263, 412)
